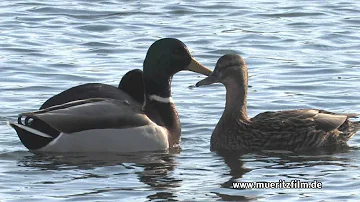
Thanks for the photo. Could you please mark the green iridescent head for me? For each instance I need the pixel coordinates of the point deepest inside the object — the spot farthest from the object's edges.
(168, 56)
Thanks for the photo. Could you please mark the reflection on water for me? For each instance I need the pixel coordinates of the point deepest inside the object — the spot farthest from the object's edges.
(236, 166)
(286, 166)
(160, 175)
(152, 169)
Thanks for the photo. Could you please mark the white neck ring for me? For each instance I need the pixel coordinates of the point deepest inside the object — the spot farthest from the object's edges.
(161, 99)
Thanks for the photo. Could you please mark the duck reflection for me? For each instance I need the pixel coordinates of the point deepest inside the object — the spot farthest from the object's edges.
(277, 165)
(305, 159)
(233, 160)
(153, 169)
(277, 159)
(156, 174)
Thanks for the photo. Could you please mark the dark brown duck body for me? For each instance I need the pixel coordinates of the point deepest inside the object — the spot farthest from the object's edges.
(292, 130)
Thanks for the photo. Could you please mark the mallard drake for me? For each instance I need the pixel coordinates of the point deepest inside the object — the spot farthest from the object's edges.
(116, 125)
(292, 130)
(130, 85)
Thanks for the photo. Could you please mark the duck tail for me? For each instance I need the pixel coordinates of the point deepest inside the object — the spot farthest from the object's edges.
(34, 134)
(349, 128)
(355, 126)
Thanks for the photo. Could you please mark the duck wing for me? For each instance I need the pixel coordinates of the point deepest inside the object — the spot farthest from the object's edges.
(86, 91)
(130, 88)
(89, 114)
(319, 119)
(301, 129)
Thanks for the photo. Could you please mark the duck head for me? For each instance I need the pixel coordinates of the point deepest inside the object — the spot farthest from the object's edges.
(168, 56)
(165, 58)
(230, 70)
(132, 84)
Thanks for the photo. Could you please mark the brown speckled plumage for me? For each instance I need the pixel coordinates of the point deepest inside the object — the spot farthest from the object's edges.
(292, 130)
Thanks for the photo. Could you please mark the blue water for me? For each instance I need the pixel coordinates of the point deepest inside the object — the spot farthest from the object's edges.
(300, 54)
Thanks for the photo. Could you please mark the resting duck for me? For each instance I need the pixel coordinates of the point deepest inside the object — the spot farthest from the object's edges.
(116, 125)
(292, 130)
(130, 85)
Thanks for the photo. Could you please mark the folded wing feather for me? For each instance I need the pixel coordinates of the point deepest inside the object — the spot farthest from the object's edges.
(91, 114)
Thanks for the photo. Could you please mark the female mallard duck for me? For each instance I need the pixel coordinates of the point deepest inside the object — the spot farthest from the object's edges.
(291, 130)
(116, 125)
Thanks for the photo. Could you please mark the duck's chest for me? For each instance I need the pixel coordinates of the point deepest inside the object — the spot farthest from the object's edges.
(231, 135)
